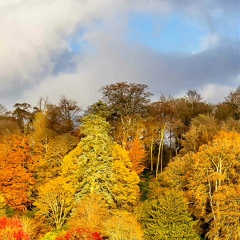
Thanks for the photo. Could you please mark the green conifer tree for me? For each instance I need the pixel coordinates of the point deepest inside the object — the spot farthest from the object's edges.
(95, 164)
(167, 218)
(99, 165)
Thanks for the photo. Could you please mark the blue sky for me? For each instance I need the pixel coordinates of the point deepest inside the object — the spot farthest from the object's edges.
(172, 33)
(74, 47)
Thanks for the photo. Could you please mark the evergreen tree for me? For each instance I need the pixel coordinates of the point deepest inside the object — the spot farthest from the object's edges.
(95, 164)
(167, 218)
(98, 165)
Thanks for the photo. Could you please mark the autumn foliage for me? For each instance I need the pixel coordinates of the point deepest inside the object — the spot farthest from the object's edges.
(80, 234)
(12, 229)
(89, 213)
(137, 155)
(125, 169)
(16, 178)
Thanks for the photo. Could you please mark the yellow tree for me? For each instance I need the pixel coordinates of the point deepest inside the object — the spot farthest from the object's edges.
(2, 205)
(167, 217)
(203, 129)
(123, 225)
(50, 165)
(55, 202)
(174, 176)
(125, 187)
(49, 148)
(214, 185)
(12, 229)
(95, 162)
(90, 213)
(210, 181)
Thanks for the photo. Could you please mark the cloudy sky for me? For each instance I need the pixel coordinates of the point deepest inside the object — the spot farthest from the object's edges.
(74, 47)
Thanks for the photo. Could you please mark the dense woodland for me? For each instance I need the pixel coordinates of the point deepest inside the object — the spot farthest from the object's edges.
(124, 169)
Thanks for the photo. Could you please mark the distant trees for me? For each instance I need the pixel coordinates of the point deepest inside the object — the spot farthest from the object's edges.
(63, 117)
(128, 103)
(233, 103)
(23, 115)
(126, 168)
(126, 99)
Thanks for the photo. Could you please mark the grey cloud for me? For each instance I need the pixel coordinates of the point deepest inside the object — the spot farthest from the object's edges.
(172, 72)
(36, 60)
(115, 61)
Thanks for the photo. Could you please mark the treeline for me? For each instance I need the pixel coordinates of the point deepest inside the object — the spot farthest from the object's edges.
(125, 168)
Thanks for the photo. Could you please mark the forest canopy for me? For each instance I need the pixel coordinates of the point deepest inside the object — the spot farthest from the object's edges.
(124, 168)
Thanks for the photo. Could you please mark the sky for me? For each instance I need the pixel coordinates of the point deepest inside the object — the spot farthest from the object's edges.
(74, 47)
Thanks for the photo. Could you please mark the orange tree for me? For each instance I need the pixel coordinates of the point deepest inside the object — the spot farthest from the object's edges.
(12, 229)
(137, 155)
(16, 179)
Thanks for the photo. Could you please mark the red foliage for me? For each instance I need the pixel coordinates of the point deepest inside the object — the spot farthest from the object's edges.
(80, 234)
(12, 228)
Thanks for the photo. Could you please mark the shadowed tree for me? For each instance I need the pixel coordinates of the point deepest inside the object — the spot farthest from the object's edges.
(128, 102)
(22, 113)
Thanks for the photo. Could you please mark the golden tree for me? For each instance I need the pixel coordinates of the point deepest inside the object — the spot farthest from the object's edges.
(123, 225)
(125, 187)
(214, 185)
(90, 213)
(55, 202)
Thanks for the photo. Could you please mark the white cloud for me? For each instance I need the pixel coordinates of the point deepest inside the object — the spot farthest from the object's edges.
(215, 93)
(209, 41)
(34, 36)
(32, 31)
(115, 61)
